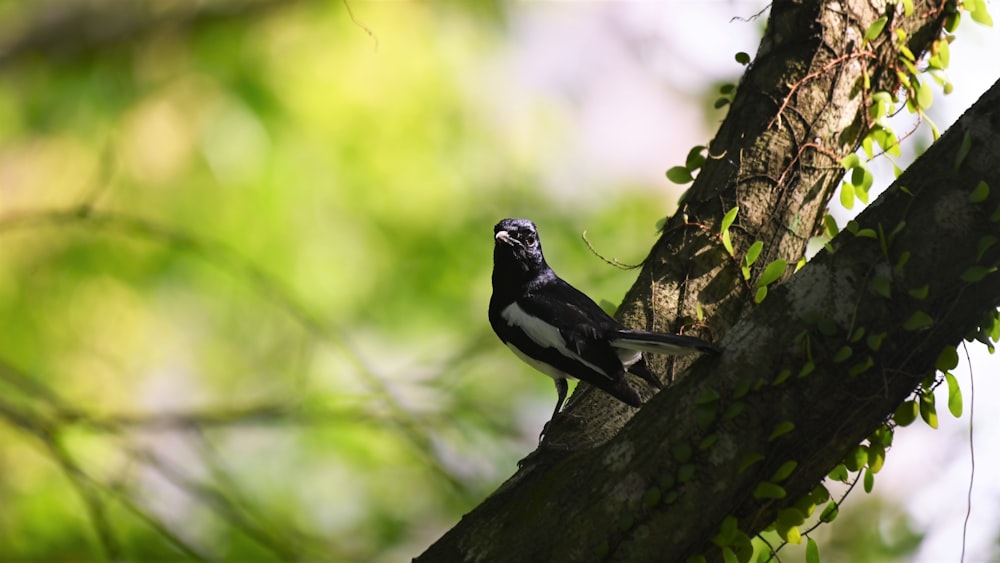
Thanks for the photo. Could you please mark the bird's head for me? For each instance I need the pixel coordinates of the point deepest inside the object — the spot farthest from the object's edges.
(516, 243)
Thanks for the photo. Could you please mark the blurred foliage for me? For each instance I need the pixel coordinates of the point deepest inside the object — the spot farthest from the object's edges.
(880, 532)
(244, 267)
(245, 249)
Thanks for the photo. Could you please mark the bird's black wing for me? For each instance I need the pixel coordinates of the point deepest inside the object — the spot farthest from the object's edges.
(585, 330)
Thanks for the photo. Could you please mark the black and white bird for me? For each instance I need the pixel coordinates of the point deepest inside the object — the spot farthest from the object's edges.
(561, 332)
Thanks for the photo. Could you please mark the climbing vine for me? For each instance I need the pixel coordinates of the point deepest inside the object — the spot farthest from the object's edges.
(914, 94)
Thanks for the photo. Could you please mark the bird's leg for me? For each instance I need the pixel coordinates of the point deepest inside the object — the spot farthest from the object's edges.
(562, 387)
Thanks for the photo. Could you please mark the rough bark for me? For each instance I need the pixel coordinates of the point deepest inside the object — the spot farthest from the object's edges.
(798, 111)
(659, 486)
(665, 483)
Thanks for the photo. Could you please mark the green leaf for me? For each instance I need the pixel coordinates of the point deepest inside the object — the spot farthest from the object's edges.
(792, 535)
(728, 556)
(707, 395)
(753, 252)
(882, 435)
(981, 15)
(695, 159)
(843, 354)
(679, 175)
(920, 293)
(789, 517)
(771, 273)
(928, 411)
(952, 20)
(857, 458)
(760, 294)
(819, 494)
(839, 473)
(882, 286)
(876, 457)
(749, 460)
(734, 410)
(917, 321)
(742, 58)
(874, 341)
(812, 551)
(782, 428)
(862, 179)
(858, 334)
(954, 395)
(869, 481)
(728, 219)
(963, 150)
(705, 415)
(904, 257)
(829, 513)
(905, 413)
(943, 52)
(831, 225)
(980, 192)
(875, 29)
(850, 161)
(847, 195)
(908, 58)
(784, 471)
(727, 243)
(708, 442)
(782, 376)
(861, 366)
(985, 244)
(728, 530)
(977, 273)
(947, 360)
(768, 490)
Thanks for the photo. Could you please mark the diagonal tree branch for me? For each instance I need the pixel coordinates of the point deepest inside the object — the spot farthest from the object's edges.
(817, 367)
(799, 109)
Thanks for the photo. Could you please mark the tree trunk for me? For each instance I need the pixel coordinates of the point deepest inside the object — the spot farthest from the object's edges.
(813, 370)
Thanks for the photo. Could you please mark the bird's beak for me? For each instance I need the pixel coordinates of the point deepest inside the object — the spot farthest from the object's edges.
(504, 237)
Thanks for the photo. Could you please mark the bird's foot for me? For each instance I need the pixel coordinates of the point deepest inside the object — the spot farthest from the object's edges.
(563, 418)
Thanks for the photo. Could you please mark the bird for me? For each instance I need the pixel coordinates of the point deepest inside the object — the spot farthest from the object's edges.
(558, 330)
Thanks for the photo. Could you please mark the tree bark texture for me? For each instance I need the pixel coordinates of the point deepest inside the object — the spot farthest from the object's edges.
(799, 109)
(804, 376)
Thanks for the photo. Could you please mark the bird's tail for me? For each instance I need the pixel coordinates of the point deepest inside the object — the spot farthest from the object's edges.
(659, 343)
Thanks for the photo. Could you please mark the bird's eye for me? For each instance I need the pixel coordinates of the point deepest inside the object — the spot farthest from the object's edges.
(530, 239)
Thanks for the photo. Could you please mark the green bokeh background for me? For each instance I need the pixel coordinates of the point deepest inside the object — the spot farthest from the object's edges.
(244, 270)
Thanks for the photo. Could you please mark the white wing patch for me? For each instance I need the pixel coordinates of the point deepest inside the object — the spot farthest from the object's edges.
(546, 336)
(539, 365)
(628, 357)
